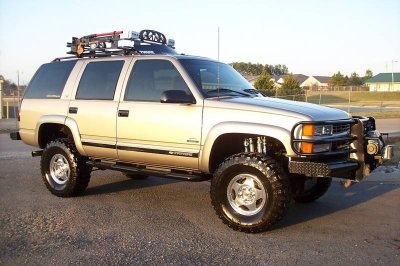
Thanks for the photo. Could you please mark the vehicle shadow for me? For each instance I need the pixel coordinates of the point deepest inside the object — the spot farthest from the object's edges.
(123, 184)
(336, 199)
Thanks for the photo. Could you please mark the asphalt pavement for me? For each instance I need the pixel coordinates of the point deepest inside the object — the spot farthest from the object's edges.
(160, 221)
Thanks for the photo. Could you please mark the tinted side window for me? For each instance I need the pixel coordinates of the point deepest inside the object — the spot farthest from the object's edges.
(49, 80)
(150, 78)
(99, 80)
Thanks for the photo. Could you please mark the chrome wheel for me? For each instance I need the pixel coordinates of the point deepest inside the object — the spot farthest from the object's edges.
(246, 194)
(59, 169)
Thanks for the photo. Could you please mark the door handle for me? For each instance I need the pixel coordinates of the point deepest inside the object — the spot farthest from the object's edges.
(73, 110)
(123, 113)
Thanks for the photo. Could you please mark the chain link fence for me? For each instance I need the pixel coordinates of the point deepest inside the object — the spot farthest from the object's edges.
(351, 101)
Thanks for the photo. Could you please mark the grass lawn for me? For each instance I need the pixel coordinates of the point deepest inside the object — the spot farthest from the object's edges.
(378, 114)
(361, 98)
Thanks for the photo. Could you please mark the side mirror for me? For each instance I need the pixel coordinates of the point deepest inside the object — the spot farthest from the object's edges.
(176, 96)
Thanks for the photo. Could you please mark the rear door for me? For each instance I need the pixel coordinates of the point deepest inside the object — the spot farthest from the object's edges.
(155, 133)
(94, 107)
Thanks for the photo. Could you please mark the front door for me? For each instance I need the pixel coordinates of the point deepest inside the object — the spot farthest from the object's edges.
(155, 133)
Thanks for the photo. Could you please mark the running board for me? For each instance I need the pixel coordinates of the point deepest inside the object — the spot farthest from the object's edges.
(166, 173)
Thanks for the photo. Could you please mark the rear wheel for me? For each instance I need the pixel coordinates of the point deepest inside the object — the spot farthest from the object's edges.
(64, 170)
(250, 192)
(307, 190)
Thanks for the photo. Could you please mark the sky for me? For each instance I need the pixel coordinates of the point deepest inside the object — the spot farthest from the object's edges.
(310, 37)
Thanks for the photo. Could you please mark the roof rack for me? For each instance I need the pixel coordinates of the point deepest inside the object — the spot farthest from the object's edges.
(106, 44)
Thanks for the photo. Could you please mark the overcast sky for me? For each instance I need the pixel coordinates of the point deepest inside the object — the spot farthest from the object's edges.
(310, 37)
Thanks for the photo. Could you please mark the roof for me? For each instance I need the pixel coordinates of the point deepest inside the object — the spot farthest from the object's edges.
(300, 78)
(322, 79)
(384, 77)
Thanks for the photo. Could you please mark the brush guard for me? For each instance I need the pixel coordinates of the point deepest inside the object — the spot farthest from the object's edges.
(351, 156)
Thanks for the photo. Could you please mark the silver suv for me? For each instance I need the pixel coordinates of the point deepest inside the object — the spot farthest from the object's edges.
(147, 110)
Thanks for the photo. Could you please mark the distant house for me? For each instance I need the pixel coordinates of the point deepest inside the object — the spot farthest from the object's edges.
(320, 81)
(303, 80)
(384, 82)
(275, 80)
(300, 78)
(251, 79)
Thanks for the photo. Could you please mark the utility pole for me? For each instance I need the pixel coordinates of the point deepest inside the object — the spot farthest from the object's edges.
(393, 74)
(18, 91)
(1, 96)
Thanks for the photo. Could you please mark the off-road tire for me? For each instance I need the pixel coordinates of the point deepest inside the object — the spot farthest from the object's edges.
(136, 176)
(79, 172)
(315, 192)
(271, 176)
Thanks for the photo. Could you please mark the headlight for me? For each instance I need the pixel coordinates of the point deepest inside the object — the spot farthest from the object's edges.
(312, 131)
(316, 130)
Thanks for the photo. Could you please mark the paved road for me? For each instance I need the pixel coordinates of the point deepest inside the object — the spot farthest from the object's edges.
(159, 221)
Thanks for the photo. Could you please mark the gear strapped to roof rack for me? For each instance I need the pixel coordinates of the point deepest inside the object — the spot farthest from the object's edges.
(106, 44)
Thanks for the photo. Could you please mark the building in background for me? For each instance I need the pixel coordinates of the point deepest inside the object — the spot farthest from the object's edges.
(300, 78)
(384, 82)
(318, 81)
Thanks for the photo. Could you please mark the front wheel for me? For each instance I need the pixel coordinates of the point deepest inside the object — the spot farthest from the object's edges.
(250, 192)
(64, 170)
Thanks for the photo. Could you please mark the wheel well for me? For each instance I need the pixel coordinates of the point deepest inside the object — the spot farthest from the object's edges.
(52, 131)
(232, 143)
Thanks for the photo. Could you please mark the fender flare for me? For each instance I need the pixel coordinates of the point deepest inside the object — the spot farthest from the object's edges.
(62, 120)
(279, 133)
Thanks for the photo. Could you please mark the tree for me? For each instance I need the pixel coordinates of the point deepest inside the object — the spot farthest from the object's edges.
(368, 73)
(290, 86)
(10, 88)
(354, 80)
(257, 69)
(338, 79)
(265, 84)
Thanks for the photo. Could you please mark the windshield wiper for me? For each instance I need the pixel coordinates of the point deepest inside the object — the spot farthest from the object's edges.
(219, 90)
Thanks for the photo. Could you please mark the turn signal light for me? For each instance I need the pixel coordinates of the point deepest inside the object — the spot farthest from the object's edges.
(308, 130)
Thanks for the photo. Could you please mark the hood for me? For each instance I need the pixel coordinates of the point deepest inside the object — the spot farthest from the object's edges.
(272, 105)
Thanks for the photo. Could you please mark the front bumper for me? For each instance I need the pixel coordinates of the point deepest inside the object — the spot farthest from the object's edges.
(353, 155)
(342, 169)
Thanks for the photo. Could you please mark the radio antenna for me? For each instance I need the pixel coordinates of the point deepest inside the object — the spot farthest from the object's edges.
(218, 65)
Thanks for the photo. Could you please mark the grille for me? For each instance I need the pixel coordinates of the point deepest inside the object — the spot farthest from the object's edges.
(341, 128)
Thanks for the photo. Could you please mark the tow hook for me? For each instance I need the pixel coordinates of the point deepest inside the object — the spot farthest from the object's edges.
(388, 152)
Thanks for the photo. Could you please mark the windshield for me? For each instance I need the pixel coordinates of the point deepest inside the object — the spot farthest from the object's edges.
(218, 79)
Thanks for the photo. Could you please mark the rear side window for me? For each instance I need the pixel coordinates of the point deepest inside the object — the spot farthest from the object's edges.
(99, 80)
(49, 80)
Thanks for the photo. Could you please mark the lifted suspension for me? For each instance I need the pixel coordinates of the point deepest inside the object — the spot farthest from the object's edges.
(258, 145)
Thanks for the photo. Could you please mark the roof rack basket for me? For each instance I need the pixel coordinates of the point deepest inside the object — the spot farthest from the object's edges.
(106, 44)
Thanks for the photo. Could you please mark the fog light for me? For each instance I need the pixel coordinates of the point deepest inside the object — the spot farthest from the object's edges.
(306, 147)
(314, 148)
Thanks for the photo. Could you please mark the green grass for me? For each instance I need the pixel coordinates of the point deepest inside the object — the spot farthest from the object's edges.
(356, 98)
(379, 115)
